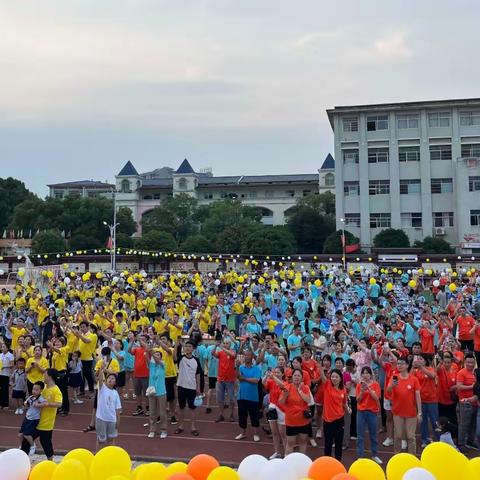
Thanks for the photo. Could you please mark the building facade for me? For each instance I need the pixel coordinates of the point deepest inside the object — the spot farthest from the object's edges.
(82, 188)
(413, 166)
(274, 194)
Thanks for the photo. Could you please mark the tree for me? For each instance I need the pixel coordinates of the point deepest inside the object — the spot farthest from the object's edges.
(197, 243)
(434, 245)
(156, 240)
(126, 223)
(391, 238)
(333, 243)
(12, 193)
(232, 239)
(310, 229)
(175, 215)
(323, 203)
(123, 240)
(49, 241)
(270, 241)
(83, 241)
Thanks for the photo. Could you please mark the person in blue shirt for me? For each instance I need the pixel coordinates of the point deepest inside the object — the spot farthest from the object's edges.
(294, 343)
(249, 375)
(212, 371)
(253, 328)
(157, 400)
(268, 297)
(374, 292)
(300, 307)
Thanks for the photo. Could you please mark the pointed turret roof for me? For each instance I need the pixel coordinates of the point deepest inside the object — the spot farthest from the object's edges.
(328, 163)
(128, 170)
(185, 167)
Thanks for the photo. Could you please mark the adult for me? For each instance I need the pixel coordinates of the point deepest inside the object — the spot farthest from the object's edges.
(447, 387)
(35, 368)
(226, 377)
(465, 325)
(140, 373)
(157, 394)
(86, 346)
(58, 359)
(6, 363)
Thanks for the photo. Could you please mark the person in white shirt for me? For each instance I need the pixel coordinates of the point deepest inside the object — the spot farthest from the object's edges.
(109, 408)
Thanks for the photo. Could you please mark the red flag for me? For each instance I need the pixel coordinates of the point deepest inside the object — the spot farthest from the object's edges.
(343, 240)
(109, 243)
(352, 248)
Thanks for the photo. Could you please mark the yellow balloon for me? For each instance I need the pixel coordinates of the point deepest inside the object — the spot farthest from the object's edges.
(155, 470)
(395, 270)
(70, 469)
(223, 473)
(119, 477)
(318, 282)
(176, 467)
(137, 470)
(261, 280)
(43, 470)
(389, 286)
(110, 461)
(372, 281)
(472, 470)
(443, 461)
(452, 287)
(21, 273)
(401, 463)
(198, 283)
(82, 455)
(366, 469)
(412, 283)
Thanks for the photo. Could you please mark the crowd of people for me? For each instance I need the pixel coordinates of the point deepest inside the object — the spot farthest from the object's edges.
(289, 355)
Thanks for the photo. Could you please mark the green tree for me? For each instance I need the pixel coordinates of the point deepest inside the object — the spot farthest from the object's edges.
(126, 223)
(123, 240)
(323, 203)
(156, 240)
(83, 241)
(333, 243)
(232, 239)
(434, 245)
(12, 193)
(49, 241)
(270, 241)
(391, 238)
(310, 229)
(175, 215)
(197, 243)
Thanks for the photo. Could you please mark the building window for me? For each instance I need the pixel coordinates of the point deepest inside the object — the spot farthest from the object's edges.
(58, 194)
(411, 220)
(305, 193)
(352, 220)
(377, 122)
(350, 156)
(407, 121)
(329, 179)
(471, 150)
(379, 187)
(125, 186)
(156, 196)
(378, 155)
(409, 154)
(350, 124)
(182, 183)
(439, 119)
(290, 193)
(223, 195)
(441, 185)
(475, 218)
(442, 219)
(147, 197)
(208, 196)
(474, 184)
(470, 119)
(410, 186)
(351, 188)
(380, 220)
(440, 152)
(269, 193)
(252, 194)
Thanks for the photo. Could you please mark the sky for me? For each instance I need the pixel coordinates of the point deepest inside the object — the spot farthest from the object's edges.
(240, 86)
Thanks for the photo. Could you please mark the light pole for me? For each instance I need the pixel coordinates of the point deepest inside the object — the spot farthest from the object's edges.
(113, 235)
(344, 241)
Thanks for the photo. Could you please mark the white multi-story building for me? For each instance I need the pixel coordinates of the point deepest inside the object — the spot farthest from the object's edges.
(81, 188)
(413, 166)
(274, 194)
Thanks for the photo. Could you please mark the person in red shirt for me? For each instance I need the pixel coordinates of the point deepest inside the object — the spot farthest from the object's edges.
(467, 407)
(295, 399)
(140, 372)
(226, 377)
(310, 365)
(406, 406)
(334, 407)
(475, 331)
(427, 378)
(465, 324)
(368, 407)
(326, 365)
(427, 334)
(447, 387)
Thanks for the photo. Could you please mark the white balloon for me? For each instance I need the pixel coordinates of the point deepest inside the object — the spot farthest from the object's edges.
(210, 274)
(409, 272)
(1, 272)
(300, 464)
(251, 466)
(250, 295)
(436, 283)
(418, 473)
(14, 465)
(66, 280)
(254, 277)
(277, 469)
(115, 279)
(143, 273)
(348, 281)
(283, 284)
(217, 282)
(149, 286)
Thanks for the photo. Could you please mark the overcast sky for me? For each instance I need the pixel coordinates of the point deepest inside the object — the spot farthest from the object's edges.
(237, 85)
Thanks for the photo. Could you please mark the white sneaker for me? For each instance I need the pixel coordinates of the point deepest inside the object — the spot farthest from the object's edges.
(256, 438)
(125, 396)
(319, 434)
(240, 436)
(32, 450)
(377, 460)
(163, 435)
(388, 442)
(313, 443)
(78, 402)
(274, 456)
(151, 435)
(20, 411)
(134, 396)
(404, 444)
(16, 412)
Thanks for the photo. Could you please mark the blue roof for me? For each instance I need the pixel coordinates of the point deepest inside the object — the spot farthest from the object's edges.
(185, 167)
(328, 163)
(127, 170)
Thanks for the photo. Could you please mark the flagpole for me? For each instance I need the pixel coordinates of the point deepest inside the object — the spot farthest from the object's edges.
(344, 242)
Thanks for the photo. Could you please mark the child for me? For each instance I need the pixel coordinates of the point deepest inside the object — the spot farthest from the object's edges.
(18, 381)
(30, 422)
(75, 376)
(445, 430)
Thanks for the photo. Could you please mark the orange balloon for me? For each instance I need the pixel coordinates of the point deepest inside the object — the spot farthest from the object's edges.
(180, 476)
(344, 476)
(201, 465)
(324, 468)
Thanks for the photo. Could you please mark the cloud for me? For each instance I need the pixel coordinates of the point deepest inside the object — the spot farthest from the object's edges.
(308, 39)
(393, 47)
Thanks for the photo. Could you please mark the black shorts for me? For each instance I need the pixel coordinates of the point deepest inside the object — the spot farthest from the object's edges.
(294, 431)
(29, 427)
(212, 383)
(95, 400)
(120, 379)
(19, 394)
(170, 388)
(186, 396)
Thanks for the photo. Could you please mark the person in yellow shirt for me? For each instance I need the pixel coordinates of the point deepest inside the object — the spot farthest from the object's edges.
(151, 305)
(35, 368)
(175, 328)
(169, 358)
(87, 345)
(20, 301)
(52, 400)
(60, 302)
(58, 355)
(5, 299)
(204, 319)
(16, 330)
(160, 325)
